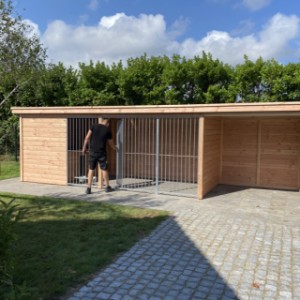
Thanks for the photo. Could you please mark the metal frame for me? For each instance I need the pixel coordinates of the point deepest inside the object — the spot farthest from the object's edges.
(155, 154)
(158, 155)
(77, 165)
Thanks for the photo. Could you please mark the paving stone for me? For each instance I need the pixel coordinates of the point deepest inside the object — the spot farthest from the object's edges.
(116, 297)
(211, 251)
(104, 296)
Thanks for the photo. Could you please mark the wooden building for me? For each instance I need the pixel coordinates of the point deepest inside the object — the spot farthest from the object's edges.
(170, 149)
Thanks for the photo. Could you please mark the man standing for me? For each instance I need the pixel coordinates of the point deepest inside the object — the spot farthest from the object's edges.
(98, 135)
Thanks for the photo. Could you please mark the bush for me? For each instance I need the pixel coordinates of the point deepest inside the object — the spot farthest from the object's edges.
(10, 214)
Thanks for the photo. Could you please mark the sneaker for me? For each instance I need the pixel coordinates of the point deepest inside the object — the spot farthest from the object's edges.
(109, 189)
(88, 190)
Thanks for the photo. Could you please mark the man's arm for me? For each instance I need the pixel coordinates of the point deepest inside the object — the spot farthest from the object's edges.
(112, 145)
(86, 141)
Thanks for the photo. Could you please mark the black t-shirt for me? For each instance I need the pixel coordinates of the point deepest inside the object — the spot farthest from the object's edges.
(100, 134)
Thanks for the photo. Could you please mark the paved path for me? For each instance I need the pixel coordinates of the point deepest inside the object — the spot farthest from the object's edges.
(235, 244)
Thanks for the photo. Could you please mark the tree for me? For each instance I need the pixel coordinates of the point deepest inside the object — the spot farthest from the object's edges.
(212, 79)
(97, 85)
(273, 81)
(21, 58)
(54, 87)
(141, 81)
(21, 54)
(249, 80)
(291, 78)
(176, 79)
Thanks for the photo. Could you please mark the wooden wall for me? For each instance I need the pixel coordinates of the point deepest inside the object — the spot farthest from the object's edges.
(239, 151)
(210, 154)
(279, 155)
(261, 152)
(43, 153)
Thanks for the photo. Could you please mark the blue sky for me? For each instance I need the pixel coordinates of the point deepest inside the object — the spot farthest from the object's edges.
(109, 30)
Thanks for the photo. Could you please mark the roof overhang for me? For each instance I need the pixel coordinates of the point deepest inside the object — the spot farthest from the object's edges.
(232, 109)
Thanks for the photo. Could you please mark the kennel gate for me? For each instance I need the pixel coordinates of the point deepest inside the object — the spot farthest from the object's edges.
(77, 162)
(158, 155)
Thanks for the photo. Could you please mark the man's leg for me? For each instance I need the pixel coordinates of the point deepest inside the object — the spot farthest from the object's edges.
(90, 177)
(104, 168)
(108, 188)
(90, 180)
(92, 166)
(106, 177)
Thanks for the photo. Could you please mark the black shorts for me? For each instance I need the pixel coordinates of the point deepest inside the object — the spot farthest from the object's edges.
(98, 158)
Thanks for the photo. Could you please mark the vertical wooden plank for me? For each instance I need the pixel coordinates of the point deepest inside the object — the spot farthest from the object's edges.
(21, 158)
(66, 149)
(201, 157)
(258, 152)
(221, 149)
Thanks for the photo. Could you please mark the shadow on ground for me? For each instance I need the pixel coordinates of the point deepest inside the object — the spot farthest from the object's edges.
(165, 265)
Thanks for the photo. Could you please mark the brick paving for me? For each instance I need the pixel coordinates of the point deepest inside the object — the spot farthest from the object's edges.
(212, 251)
(238, 243)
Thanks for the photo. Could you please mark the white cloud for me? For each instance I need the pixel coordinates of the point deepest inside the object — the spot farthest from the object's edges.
(108, 22)
(271, 42)
(33, 28)
(256, 4)
(114, 38)
(121, 36)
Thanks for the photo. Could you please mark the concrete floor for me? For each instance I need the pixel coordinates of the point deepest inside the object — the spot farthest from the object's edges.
(278, 206)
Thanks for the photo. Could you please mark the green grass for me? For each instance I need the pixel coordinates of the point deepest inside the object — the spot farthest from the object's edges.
(9, 169)
(62, 242)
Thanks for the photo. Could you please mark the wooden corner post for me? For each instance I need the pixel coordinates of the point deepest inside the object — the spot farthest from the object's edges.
(201, 142)
(21, 158)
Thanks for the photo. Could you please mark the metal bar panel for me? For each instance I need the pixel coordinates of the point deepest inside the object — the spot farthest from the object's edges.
(137, 141)
(132, 152)
(182, 152)
(160, 155)
(130, 136)
(76, 163)
(144, 150)
(76, 141)
(135, 152)
(125, 164)
(120, 140)
(157, 157)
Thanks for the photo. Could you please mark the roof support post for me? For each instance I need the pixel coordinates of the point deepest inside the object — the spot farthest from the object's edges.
(201, 142)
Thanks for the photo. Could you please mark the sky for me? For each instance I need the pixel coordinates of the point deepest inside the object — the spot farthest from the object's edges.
(108, 31)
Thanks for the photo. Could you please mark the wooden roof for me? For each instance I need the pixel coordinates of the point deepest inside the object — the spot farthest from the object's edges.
(272, 108)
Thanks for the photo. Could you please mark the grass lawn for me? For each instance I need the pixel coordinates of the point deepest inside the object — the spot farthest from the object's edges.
(62, 242)
(9, 169)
